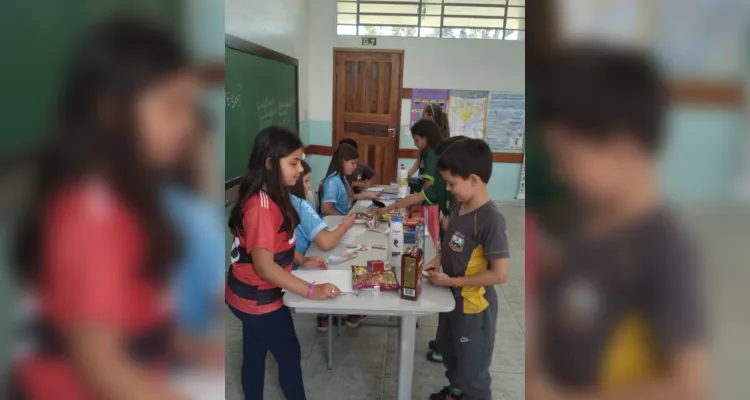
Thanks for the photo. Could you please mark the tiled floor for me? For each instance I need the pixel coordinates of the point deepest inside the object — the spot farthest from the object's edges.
(365, 360)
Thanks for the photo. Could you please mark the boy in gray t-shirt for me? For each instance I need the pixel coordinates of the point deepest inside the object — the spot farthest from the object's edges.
(474, 258)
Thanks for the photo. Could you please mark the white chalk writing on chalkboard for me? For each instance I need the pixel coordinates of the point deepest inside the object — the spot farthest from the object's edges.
(233, 100)
(275, 112)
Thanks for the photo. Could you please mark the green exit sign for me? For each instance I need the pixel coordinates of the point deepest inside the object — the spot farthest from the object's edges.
(369, 41)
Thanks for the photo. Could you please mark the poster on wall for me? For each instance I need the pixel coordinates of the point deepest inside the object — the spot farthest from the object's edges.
(422, 97)
(506, 121)
(466, 113)
(522, 185)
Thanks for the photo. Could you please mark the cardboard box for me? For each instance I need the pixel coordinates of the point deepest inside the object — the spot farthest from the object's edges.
(375, 266)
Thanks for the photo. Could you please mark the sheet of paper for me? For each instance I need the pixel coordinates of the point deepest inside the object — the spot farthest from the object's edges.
(341, 278)
(375, 189)
(351, 236)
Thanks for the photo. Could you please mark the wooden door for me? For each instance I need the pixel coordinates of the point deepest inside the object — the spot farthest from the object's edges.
(367, 105)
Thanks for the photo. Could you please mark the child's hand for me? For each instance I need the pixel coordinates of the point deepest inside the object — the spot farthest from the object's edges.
(380, 211)
(444, 222)
(371, 195)
(314, 262)
(325, 291)
(213, 357)
(348, 221)
(439, 278)
(432, 265)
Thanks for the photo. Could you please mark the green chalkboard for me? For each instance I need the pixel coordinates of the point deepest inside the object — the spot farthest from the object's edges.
(37, 37)
(261, 90)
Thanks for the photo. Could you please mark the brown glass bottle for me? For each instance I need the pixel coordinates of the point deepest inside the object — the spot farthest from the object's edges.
(411, 273)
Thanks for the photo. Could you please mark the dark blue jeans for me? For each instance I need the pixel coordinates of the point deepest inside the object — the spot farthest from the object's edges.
(272, 332)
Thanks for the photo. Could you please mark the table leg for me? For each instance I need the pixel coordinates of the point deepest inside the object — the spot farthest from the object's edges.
(407, 338)
(330, 342)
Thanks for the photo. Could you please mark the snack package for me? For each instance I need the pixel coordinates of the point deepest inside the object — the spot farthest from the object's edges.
(364, 279)
(361, 215)
(334, 259)
(386, 217)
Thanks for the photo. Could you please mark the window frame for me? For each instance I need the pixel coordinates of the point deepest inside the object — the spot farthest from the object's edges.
(422, 5)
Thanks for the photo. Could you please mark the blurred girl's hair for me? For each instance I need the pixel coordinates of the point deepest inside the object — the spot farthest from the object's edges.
(96, 134)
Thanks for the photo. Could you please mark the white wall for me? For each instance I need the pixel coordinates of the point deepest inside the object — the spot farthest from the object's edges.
(280, 25)
(429, 63)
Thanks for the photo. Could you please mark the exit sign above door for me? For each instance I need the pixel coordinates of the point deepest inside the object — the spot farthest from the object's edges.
(369, 41)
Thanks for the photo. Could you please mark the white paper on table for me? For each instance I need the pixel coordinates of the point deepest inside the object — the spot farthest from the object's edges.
(374, 189)
(342, 279)
(351, 236)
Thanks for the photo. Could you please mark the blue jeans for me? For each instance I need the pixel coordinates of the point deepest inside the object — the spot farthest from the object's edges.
(272, 332)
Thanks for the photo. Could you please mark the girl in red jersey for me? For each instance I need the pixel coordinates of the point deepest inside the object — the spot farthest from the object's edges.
(263, 221)
(97, 249)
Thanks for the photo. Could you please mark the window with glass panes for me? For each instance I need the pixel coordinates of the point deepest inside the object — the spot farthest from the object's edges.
(466, 19)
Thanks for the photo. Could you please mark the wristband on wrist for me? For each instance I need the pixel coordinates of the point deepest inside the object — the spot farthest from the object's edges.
(310, 289)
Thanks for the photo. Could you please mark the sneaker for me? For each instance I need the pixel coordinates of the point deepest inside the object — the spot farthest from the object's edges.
(353, 321)
(434, 356)
(446, 394)
(432, 345)
(322, 323)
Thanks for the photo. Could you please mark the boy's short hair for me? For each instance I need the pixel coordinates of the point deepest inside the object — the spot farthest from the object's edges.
(445, 144)
(602, 91)
(466, 157)
(350, 142)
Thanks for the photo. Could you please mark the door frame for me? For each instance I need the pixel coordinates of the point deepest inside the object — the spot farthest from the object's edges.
(397, 130)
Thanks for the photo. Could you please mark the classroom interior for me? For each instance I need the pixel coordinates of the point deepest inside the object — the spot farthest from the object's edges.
(365, 359)
(707, 142)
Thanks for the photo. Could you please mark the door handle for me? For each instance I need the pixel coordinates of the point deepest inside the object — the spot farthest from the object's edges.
(392, 131)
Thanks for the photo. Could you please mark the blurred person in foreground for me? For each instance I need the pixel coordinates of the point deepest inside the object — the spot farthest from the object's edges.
(199, 275)
(98, 249)
(620, 313)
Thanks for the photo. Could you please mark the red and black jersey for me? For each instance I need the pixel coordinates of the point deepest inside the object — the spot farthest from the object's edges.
(93, 249)
(262, 224)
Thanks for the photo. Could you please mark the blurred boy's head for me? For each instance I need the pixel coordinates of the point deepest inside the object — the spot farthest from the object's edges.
(466, 166)
(601, 110)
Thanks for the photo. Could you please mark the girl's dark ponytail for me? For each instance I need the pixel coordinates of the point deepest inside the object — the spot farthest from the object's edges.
(440, 117)
(444, 125)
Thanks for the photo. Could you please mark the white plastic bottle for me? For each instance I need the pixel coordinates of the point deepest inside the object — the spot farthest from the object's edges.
(396, 241)
(403, 182)
(403, 177)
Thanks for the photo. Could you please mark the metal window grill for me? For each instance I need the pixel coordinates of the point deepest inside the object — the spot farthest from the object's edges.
(468, 19)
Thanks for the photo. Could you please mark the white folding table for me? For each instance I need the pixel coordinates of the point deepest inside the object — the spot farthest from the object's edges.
(432, 300)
